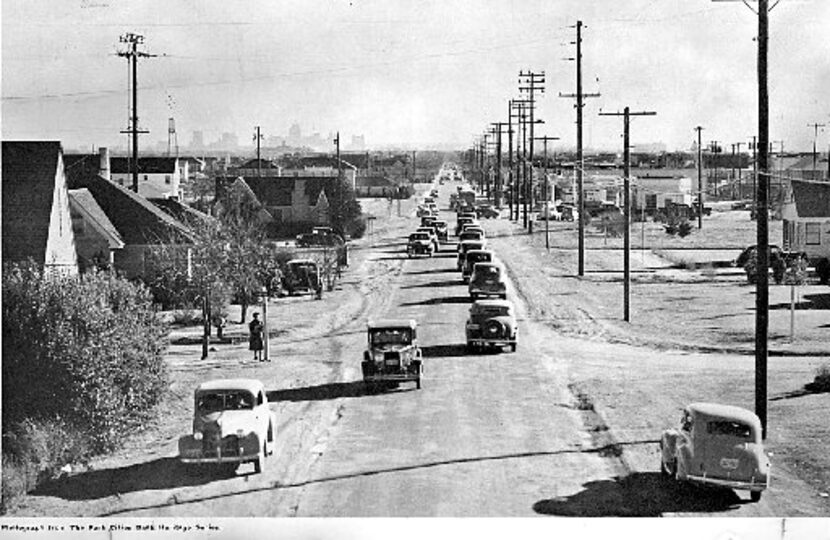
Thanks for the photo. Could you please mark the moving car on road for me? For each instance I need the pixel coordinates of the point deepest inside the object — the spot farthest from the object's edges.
(487, 279)
(487, 211)
(430, 230)
(475, 256)
(492, 323)
(420, 243)
(440, 227)
(463, 248)
(718, 445)
(467, 235)
(232, 424)
(393, 354)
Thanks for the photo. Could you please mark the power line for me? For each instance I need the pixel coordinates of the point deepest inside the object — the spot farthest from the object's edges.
(132, 55)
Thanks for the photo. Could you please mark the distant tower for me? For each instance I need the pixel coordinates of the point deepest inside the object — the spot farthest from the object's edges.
(172, 139)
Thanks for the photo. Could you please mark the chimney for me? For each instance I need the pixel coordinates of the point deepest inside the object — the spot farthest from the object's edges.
(104, 166)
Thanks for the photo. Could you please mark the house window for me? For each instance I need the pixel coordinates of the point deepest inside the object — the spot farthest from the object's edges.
(167, 179)
(146, 177)
(812, 234)
(120, 181)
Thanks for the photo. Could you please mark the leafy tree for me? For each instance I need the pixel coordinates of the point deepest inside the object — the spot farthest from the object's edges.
(344, 209)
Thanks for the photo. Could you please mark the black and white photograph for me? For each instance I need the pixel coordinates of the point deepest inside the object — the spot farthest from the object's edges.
(415, 261)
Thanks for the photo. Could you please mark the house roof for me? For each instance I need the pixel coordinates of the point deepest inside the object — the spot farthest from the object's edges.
(180, 211)
(374, 181)
(135, 218)
(262, 163)
(146, 165)
(29, 170)
(83, 201)
(271, 190)
(812, 199)
(325, 160)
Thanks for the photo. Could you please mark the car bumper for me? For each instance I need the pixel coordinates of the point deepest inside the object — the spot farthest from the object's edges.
(195, 451)
(494, 342)
(487, 292)
(750, 485)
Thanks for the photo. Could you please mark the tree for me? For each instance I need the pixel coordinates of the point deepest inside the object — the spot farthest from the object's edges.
(344, 209)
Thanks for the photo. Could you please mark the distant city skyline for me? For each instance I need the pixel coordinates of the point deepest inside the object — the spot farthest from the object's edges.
(413, 74)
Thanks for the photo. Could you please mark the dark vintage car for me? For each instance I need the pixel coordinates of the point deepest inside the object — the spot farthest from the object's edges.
(463, 248)
(471, 258)
(392, 355)
(232, 424)
(460, 221)
(487, 279)
(440, 227)
(320, 236)
(420, 243)
(719, 445)
(302, 276)
(492, 323)
(487, 211)
(475, 235)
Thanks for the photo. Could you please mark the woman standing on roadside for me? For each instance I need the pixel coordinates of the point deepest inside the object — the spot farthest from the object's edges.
(255, 340)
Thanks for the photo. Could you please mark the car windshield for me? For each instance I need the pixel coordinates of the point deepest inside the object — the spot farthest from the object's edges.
(729, 428)
(391, 336)
(478, 257)
(492, 311)
(419, 236)
(224, 400)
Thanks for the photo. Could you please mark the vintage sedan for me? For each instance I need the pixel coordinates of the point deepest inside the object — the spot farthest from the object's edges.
(487, 279)
(717, 445)
(232, 424)
(475, 256)
(463, 248)
(392, 355)
(420, 243)
(492, 323)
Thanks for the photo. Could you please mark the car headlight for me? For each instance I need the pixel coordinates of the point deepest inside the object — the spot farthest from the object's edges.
(198, 436)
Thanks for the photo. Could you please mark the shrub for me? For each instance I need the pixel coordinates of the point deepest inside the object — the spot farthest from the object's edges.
(86, 350)
(822, 381)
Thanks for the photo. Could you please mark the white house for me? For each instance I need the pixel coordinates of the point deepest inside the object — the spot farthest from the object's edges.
(807, 224)
(158, 177)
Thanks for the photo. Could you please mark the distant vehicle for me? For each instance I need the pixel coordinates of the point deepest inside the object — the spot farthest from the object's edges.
(718, 445)
(569, 212)
(548, 211)
(463, 248)
(486, 211)
(319, 236)
(471, 235)
(487, 280)
(460, 222)
(419, 243)
(428, 220)
(393, 354)
(777, 260)
(471, 258)
(466, 199)
(424, 211)
(232, 424)
(441, 231)
(474, 227)
(302, 276)
(430, 230)
(492, 323)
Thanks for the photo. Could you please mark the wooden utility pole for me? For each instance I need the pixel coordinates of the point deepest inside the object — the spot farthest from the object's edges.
(546, 197)
(132, 55)
(535, 83)
(510, 154)
(627, 114)
(740, 167)
(497, 127)
(580, 165)
(815, 127)
(257, 139)
(699, 178)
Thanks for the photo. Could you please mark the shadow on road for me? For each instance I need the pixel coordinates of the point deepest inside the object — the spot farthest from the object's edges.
(639, 495)
(163, 473)
(433, 271)
(810, 301)
(320, 392)
(445, 283)
(439, 351)
(440, 300)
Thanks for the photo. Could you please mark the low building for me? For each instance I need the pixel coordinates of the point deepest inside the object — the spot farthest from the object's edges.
(158, 177)
(96, 238)
(36, 219)
(657, 189)
(807, 223)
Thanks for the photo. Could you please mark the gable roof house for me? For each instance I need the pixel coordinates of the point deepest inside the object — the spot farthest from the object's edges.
(158, 177)
(35, 206)
(96, 238)
(319, 165)
(141, 226)
(807, 220)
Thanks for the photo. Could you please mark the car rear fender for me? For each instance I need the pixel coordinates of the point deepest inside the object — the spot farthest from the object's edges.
(668, 443)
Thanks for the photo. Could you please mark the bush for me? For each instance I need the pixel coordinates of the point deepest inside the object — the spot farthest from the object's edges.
(822, 381)
(84, 349)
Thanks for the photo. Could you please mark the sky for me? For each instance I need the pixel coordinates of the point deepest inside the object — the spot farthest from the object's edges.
(415, 73)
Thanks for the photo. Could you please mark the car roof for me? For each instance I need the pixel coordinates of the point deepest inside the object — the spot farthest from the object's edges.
(492, 302)
(479, 251)
(392, 323)
(251, 385)
(494, 264)
(718, 410)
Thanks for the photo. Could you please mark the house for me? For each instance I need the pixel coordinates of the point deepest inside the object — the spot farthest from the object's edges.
(319, 165)
(806, 225)
(257, 167)
(142, 227)
(96, 238)
(35, 204)
(654, 190)
(375, 186)
(158, 177)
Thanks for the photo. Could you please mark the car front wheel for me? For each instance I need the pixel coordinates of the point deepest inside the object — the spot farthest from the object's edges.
(755, 496)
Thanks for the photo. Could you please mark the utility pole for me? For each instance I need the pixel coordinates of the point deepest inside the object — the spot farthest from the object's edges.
(627, 114)
(740, 162)
(497, 126)
(579, 158)
(715, 150)
(485, 177)
(535, 83)
(519, 106)
(699, 179)
(257, 139)
(815, 127)
(546, 187)
(132, 55)
(754, 145)
(414, 168)
(510, 154)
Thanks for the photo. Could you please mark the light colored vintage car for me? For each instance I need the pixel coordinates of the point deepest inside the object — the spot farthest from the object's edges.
(719, 445)
(232, 424)
(492, 323)
(392, 355)
(419, 243)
